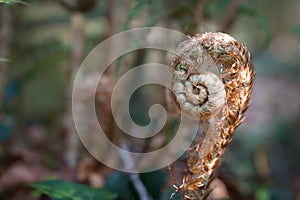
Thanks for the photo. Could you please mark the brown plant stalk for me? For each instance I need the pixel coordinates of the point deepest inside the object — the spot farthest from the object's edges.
(212, 79)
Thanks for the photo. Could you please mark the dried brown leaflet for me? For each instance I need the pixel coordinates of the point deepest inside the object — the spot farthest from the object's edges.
(212, 79)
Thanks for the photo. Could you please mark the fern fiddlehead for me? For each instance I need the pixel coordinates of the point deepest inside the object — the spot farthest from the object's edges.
(212, 79)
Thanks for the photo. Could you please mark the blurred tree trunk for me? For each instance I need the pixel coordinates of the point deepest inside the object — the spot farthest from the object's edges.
(117, 15)
(5, 43)
(77, 45)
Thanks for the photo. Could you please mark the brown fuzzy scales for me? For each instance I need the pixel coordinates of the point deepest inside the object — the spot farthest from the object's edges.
(237, 74)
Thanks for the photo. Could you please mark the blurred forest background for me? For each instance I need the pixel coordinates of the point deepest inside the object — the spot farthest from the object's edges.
(43, 42)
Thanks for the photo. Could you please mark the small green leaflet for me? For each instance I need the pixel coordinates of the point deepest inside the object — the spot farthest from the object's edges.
(63, 190)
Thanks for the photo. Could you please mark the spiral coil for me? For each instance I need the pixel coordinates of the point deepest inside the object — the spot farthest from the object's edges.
(212, 79)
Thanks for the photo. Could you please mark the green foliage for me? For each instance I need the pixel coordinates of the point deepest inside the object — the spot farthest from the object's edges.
(262, 194)
(154, 181)
(121, 184)
(40, 53)
(157, 11)
(13, 2)
(63, 190)
(134, 12)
